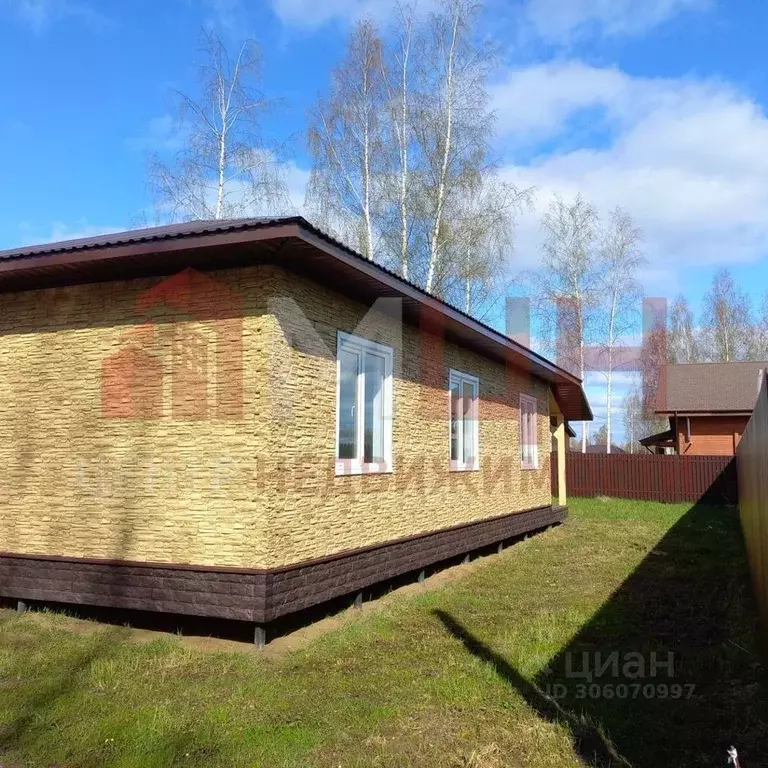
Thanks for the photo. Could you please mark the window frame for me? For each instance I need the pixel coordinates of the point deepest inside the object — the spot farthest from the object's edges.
(461, 378)
(361, 346)
(533, 405)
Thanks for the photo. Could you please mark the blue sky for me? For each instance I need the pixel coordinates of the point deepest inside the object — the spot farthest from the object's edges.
(656, 105)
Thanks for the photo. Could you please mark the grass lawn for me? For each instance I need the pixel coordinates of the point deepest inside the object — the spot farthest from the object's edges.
(479, 672)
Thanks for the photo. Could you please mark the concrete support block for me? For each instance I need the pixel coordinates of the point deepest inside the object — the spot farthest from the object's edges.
(260, 636)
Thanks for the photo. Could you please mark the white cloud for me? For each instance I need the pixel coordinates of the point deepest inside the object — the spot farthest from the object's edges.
(312, 14)
(688, 158)
(562, 21)
(296, 179)
(162, 134)
(32, 234)
(230, 16)
(40, 14)
(535, 102)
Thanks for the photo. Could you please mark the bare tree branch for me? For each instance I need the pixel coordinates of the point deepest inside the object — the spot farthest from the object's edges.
(727, 320)
(620, 295)
(226, 168)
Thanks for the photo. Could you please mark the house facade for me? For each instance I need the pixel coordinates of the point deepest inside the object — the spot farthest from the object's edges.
(243, 419)
(708, 406)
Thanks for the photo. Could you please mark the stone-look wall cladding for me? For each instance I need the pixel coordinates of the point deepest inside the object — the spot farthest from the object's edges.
(318, 513)
(185, 483)
(170, 488)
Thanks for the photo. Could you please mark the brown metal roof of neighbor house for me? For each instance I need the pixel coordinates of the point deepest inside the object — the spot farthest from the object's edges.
(709, 387)
(290, 241)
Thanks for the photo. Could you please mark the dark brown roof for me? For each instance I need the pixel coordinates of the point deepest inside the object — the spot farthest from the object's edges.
(709, 387)
(661, 438)
(294, 243)
(149, 234)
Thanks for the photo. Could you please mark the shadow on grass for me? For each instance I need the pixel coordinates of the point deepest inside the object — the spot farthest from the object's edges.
(32, 709)
(686, 614)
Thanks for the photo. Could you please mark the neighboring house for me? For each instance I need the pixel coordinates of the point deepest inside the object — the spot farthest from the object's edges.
(708, 406)
(603, 449)
(242, 419)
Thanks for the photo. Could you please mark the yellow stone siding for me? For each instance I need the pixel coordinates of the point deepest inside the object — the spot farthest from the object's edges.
(319, 513)
(258, 490)
(78, 484)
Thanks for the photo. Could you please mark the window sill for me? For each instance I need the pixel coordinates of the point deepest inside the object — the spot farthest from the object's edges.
(529, 467)
(352, 467)
(456, 466)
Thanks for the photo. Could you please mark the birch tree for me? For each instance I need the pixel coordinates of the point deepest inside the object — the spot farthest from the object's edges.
(601, 438)
(452, 123)
(620, 294)
(759, 350)
(633, 419)
(726, 320)
(566, 287)
(477, 260)
(398, 76)
(346, 143)
(401, 156)
(683, 345)
(226, 167)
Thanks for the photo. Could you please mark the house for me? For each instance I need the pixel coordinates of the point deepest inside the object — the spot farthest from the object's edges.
(708, 406)
(241, 419)
(603, 449)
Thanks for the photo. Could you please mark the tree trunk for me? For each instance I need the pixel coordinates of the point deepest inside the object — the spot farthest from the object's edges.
(608, 411)
(222, 174)
(609, 383)
(434, 250)
(404, 160)
(367, 171)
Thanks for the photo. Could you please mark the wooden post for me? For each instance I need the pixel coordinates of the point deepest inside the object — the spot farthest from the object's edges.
(560, 439)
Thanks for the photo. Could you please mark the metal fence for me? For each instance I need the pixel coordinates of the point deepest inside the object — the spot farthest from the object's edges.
(752, 455)
(704, 479)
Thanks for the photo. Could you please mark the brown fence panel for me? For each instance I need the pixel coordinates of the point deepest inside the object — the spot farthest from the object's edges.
(752, 456)
(706, 479)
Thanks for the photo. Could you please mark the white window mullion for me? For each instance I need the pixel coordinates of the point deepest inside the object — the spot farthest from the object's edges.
(529, 449)
(360, 407)
(466, 420)
(359, 354)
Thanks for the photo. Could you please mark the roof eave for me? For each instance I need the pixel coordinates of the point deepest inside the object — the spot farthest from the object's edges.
(515, 353)
(711, 412)
(567, 388)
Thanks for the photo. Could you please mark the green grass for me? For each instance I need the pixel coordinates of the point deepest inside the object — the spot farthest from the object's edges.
(457, 676)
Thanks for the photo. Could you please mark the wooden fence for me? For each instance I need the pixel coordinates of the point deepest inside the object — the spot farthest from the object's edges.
(705, 479)
(752, 455)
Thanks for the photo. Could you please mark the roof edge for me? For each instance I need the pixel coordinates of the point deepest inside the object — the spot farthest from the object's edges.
(75, 253)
